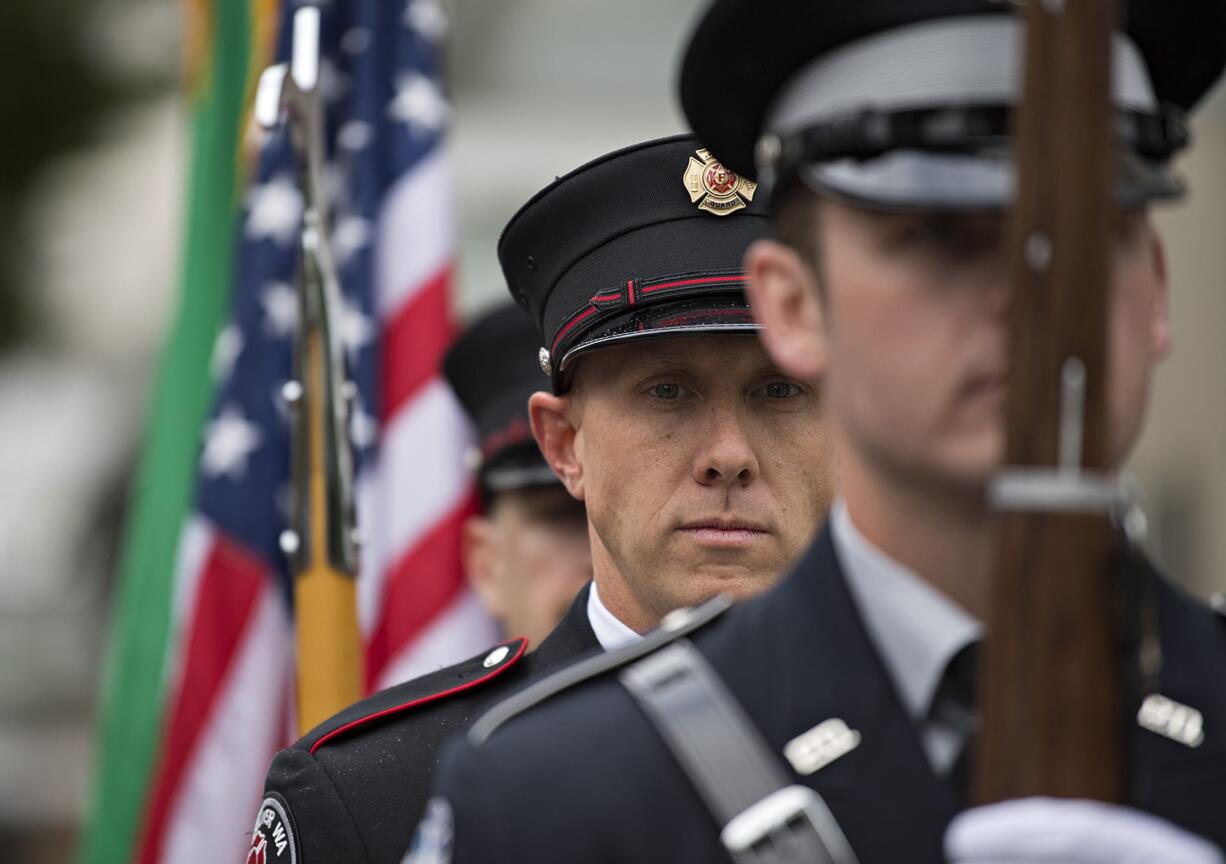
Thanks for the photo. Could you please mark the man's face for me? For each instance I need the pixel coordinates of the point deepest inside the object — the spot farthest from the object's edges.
(703, 467)
(913, 312)
(528, 558)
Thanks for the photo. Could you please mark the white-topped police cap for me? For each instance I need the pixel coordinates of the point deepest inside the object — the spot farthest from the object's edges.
(905, 104)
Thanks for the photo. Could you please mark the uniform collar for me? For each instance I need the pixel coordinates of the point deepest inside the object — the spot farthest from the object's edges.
(609, 630)
(571, 639)
(915, 627)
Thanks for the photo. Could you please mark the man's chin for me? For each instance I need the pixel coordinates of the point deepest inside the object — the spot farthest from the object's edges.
(970, 463)
(738, 582)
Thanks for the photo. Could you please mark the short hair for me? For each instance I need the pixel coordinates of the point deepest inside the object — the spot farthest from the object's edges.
(795, 219)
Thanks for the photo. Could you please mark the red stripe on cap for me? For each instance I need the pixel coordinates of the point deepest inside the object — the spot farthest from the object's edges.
(586, 313)
(704, 280)
(424, 700)
(631, 300)
(517, 431)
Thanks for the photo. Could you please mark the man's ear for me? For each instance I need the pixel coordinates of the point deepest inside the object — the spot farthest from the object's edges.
(783, 294)
(555, 433)
(480, 553)
(1160, 320)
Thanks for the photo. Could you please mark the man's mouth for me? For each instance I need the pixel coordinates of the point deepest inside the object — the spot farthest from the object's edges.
(728, 532)
(986, 384)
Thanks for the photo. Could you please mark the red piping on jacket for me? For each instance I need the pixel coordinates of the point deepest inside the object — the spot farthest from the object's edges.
(433, 697)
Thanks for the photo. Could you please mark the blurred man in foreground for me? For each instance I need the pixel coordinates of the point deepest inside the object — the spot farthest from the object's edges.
(827, 719)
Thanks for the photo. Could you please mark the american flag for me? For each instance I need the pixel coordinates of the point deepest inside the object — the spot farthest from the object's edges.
(229, 669)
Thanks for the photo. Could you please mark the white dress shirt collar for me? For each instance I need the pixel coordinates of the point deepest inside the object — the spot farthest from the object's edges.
(916, 629)
(610, 631)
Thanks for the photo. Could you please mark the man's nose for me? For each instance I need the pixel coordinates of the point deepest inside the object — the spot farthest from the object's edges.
(998, 289)
(726, 456)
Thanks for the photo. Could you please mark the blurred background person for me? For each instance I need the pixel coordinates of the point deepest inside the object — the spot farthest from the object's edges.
(526, 554)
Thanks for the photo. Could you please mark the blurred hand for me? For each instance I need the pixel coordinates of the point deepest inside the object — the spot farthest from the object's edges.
(1060, 831)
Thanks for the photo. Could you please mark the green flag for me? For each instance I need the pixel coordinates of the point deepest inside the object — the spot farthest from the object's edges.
(227, 60)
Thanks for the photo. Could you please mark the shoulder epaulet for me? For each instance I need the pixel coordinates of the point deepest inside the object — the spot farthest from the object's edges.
(674, 625)
(434, 687)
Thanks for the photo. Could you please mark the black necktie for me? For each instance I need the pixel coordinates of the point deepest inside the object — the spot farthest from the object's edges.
(957, 690)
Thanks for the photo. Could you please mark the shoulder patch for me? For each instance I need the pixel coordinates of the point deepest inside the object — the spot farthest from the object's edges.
(273, 840)
(676, 624)
(464, 676)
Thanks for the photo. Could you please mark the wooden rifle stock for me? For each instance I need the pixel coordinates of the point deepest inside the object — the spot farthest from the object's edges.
(1049, 683)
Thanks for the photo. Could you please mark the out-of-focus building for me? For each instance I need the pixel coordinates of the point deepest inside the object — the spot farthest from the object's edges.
(1181, 459)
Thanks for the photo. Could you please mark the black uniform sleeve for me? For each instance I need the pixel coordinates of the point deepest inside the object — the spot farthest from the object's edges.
(319, 824)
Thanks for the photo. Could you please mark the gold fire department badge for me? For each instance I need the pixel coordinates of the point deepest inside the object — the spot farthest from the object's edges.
(714, 188)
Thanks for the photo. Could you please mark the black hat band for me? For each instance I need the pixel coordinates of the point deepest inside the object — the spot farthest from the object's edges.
(959, 129)
(635, 293)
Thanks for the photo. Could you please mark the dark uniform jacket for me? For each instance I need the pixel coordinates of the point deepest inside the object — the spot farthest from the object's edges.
(355, 786)
(585, 777)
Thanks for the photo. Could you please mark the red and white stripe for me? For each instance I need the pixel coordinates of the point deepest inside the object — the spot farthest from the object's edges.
(227, 673)
(229, 668)
(416, 497)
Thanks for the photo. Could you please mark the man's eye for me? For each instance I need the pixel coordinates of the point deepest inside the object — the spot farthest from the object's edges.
(665, 391)
(958, 238)
(780, 390)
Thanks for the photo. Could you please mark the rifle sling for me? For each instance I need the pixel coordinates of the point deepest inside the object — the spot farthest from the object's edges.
(764, 818)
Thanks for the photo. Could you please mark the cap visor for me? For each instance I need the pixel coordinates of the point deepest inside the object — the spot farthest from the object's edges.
(690, 317)
(916, 180)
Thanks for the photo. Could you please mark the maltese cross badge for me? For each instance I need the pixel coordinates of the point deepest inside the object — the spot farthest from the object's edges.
(714, 188)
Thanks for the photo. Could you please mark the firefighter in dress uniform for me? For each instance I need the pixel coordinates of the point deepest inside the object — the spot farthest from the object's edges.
(703, 468)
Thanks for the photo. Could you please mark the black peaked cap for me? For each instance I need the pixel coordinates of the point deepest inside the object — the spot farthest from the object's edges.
(492, 369)
(643, 242)
(741, 53)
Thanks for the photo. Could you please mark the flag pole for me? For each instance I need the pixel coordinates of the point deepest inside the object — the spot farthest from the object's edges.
(322, 540)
